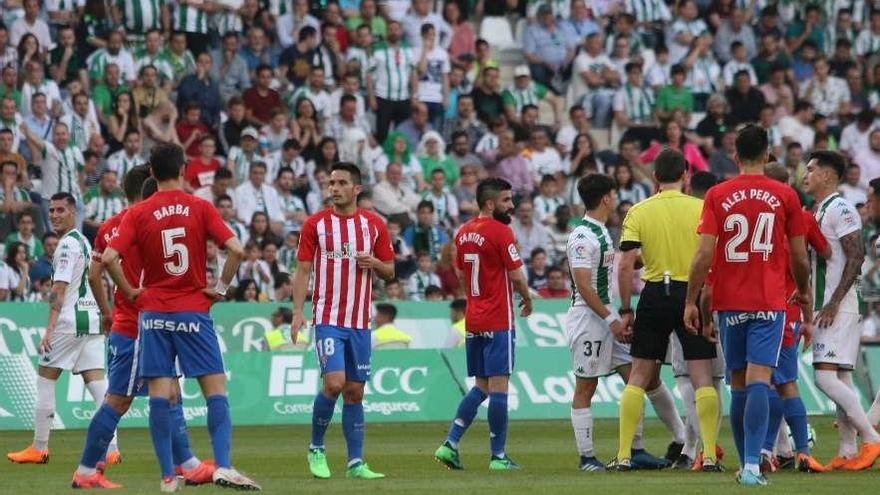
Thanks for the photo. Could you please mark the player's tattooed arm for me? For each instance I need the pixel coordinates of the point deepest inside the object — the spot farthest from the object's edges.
(854, 253)
(56, 300)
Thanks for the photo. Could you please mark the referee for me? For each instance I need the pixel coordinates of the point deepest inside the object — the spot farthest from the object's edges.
(664, 228)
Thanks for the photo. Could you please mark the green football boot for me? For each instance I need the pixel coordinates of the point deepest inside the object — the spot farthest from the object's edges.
(362, 471)
(318, 464)
(448, 456)
(502, 464)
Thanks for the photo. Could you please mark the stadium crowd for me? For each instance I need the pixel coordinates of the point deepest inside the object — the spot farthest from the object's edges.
(264, 95)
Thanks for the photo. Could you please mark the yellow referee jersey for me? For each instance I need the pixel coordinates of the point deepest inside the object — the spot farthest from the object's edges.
(664, 226)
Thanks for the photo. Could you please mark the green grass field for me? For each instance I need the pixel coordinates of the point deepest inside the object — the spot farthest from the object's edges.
(275, 457)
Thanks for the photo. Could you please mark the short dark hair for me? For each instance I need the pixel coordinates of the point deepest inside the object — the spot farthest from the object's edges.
(433, 289)
(752, 144)
(222, 197)
(150, 187)
(347, 98)
(166, 160)
(776, 171)
(488, 189)
(458, 305)
(223, 173)
(874, 184)
(351, 168)
(307, 32)
(261, 68)
(49, 235)
(592, 188)
(536, 252)
(426, 27)
(829, 159)
(284, 170)
(291, 144)
(669, 166)
(64, 196)
(425, 204)
(285, 313)
(387, 309)
(702, 181)
(133, 182)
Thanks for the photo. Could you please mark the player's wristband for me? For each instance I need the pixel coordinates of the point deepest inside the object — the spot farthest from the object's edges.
(612, 317)
(220, 288)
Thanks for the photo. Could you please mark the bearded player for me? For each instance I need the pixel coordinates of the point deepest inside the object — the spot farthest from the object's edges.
(488, 261)
(836, 334)
(743, 228)
(171, 230)
(125, 382)
(345, 245)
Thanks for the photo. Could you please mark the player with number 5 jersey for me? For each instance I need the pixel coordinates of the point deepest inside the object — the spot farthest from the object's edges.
(488, 261)
(170, 231)
(745, 225)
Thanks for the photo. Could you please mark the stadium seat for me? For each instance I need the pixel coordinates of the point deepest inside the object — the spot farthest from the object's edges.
(496, 30)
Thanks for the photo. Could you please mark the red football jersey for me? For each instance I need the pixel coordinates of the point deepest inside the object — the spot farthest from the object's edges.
(485, 253)
(342, 294)
(125, 314)
(752, 217)
(817, 241)
(171, 230)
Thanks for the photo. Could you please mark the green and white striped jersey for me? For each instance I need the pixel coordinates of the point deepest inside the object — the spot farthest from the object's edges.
(81, 129)
(161, 62)
(362, 58)
(240, 163)
(100, 59)
(590, 246)
(121, 163)
(837, 218)
(189, 19)
(100, 206)
(79, 311)
(518, 98)
(228, 19)
(239, 230)
(138, 16)
(61, 169)
(320, 99)
(181, 65)
(636, 103)
(392, 70)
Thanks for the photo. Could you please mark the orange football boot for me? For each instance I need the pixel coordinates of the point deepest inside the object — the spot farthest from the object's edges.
(96, 480)
(30, 455)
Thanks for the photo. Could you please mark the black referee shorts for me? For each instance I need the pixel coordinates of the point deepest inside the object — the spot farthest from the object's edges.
(659, 314)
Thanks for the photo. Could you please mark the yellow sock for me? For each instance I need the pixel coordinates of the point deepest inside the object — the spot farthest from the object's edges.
(632, 401)
(706, 399)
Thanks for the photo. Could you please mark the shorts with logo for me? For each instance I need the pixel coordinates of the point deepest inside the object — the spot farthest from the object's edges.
(75, 354)
(594, 350)
(187, 338)
(786, 370)
(679, 365)
(340, 348)
(490, 353)
(123, 376)
(839, 343)
(751, 337)
(659, 314)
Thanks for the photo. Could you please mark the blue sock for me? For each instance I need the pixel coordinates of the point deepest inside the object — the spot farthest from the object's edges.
(179, 438)
(220, 429)
(497, 422)
(322, 414)
(467, 411)
(99, 435)
(353, 430)
(775, 420)
(160, 430)
(757, 413)
(796, 417)
(737, 425)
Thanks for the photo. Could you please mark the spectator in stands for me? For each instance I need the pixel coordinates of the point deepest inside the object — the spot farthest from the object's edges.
(431, 155)
(200, 170)
(449, 282)
(229, 68)
(537, 269)
(387, 335)
(704, 73)
(256, 196)
(798, 126)
(487, 96)
(247, 291)
(507, 162)
(529, 234)
(675, 95)
(257, 51)
(24, 234)
(192, 129)
(148, 94)
(105, 93)
(711, 128)
(389, 91)
(80, 122)
(770, 56)
(722, 162)
(42, 264)
(594, 81)
(221, 184)
(16, 273)
(854, 137)
(811, 29)
(628, 187)
(851, 188)
(273, 134)
(240, 158)
(396, 149)
(102, 202)
(462, 37)
(347, 118)
(306, 128)
(417, 125)
(543, 158)
(445, 203)
(548, 47)
(31, 23)
(557, 287)
(634, 105)
(426, 235)
(420, 15)
(829, 95)
(868, 160)
(433, 68)
(778, 93)
(527, 92)
(123, 121)
(465, 121)
(14, 199)
(744, 99)
(673, 137)
(423, 277)
(204, 89)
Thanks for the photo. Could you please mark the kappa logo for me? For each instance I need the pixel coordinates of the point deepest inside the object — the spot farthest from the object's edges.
(831, 354)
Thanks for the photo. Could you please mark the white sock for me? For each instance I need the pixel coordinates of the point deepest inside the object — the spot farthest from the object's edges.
(582, 422)
(638, 443)
(664, 406)
(191, 463)
(44, 412)
(98, 389)
(847, 446)
(692, 424)
(783, 446)
(831, 384)
(874, 412)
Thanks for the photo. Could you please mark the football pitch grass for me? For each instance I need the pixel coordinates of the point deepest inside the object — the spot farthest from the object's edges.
(275, 457)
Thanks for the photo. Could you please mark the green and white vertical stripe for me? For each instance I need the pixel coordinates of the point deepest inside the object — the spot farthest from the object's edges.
(602, 274)
(121, 163)
(189, 19)
(819, 263)
(392, 70)
(639, 103)
(87, 316)
(100, 207)
(141, 15)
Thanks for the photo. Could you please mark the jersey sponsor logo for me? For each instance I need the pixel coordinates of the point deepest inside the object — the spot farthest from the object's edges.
(167, 211)
(514, 254)
(579, 252)
(740, 318)
(757, 194)
(170, 325)
(348, 251)
(609, 259)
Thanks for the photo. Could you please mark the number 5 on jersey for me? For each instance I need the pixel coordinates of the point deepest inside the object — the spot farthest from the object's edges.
(171, 249)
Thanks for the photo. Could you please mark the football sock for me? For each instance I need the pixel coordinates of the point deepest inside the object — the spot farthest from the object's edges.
(755, 422)
(497, 422)
(632, 403)
(664, 406)
(467, 411)
(322, 414)
(98, 437)
(839, 390)
(874, 412)
(638, 436)
(353, 430)
(44, 412)
(582, 422)
(775, 419)
(98, 389)
(220, 429)
(692, 431)
(706, 403)
(737, 422)
(796, 417)
(160, 431)
(848, 446)
(180, 449)
(783, 446)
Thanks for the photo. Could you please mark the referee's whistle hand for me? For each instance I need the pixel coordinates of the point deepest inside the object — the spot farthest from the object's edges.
(692, 319)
